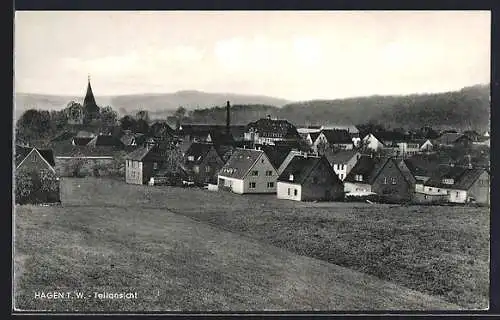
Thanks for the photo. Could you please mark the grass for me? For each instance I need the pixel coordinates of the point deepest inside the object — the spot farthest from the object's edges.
(240, 264)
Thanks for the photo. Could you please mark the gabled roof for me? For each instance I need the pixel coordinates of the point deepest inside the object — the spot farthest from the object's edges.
(22, 152)
(272, 127)
(421, 166)
(314, 136)
(105, 141)
(220, 138)
(368, 167)
(341, 156)
(337, 136)
(198, 151)
(463, 177)
(240, 162)
(129, 138)
(276, 154)
(448, 138)
(145, 154)
(301, 167)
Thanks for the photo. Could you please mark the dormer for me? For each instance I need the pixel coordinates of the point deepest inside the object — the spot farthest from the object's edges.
(190, 158)
(448, 181)
(358, 177)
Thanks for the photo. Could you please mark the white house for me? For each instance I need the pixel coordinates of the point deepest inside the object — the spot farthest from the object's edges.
(248, 171)
(342, 161)
(336, 138)
(372, 142)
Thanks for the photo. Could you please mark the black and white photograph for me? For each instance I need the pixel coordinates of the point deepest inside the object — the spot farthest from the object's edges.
(251, 161)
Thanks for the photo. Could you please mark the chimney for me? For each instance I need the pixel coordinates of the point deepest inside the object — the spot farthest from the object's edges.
(469, 165)
(228, 118)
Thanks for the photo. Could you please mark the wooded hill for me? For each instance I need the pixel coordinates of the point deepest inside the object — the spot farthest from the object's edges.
(468, 108)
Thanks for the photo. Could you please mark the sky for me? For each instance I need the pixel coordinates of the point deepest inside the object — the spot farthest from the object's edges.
(295, 55)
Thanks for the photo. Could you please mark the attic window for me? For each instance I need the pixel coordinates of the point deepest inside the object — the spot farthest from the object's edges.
(190, 158)
(359, 177)
(291, 177)
(448, 181)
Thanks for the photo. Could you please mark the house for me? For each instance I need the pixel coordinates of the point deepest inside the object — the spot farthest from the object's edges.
(141, 164)
(275, 154)
(426, 146)
(106, 141)
(289, 158)
(403, 148)
(342, 161)
(133, 139)
(248, 171)
(383, 176)
(36, 178)
(449, 139)
(203, 162)
(269, 131)
(371, 142)
(339, 139)
(309, 178)
(311, 137)
(219, 138)
(460, 184)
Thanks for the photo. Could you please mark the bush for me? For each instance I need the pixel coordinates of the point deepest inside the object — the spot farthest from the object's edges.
(36, 187)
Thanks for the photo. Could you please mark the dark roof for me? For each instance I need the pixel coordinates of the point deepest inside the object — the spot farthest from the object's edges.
(422, 166)
(276, 154)
(65, 135)
(198, 151)
(81, 141)
(368, 167)
(240, 163)
(463, 177)
(128, 138)
(337, 136)
(271, 127)
(300, 167)
(89, 100)
(22, 152)
(448, 138)
(314, 136)
(144, 154)
(339, 157)
(105, 141)
(220, 138)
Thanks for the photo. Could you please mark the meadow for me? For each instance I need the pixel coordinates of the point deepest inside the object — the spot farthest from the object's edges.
(205, 250)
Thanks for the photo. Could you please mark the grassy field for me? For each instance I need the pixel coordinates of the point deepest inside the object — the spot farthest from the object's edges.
(112, 235)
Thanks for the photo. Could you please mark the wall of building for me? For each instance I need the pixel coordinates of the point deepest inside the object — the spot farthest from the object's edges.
(85, 166)
(457, 196)
(287, 191)
(480, 190)
(230, 184)
(133, 172)
(214, 163)
(356, 187)
(261, 180)
(383, 184)
(322, 184)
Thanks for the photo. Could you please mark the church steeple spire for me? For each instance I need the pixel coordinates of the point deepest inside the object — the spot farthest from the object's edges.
(89, 103)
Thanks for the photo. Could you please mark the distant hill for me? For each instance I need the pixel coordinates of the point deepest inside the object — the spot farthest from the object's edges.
(468, 108)
(158, 105)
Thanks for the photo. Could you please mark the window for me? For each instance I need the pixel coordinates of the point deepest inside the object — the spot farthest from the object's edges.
(190, 158)
(295, 192)
(456, 195)
(448, 181)
(270, 184)
(393, 180)
(155, 165)
(290, 177)
(359, 177)
(251, 185)
(269, 173)
(261, 160)
(341, 176)
(288, 191)
(255, 173)
(385, 180)
(207, 169)
(439, 190)
(425, 196)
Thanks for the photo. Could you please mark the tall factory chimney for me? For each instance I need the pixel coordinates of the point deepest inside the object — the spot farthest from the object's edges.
(228, 118)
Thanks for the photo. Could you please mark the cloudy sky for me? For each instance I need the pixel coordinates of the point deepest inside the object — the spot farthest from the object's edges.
(290, 54)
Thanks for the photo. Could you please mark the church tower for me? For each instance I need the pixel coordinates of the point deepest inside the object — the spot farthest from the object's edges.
(89, 105)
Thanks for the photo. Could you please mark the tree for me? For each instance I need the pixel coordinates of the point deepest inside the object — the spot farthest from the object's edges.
(142, 115)
(33, 124)
(141, 126)
(180, 113)
(108, 117)
(128, 123)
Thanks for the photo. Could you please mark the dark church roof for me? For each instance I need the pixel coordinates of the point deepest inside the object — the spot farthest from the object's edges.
(89, 103)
